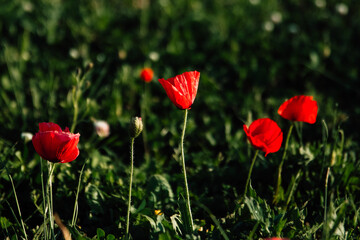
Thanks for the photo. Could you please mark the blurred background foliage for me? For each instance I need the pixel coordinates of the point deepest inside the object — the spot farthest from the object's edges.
(252, 55)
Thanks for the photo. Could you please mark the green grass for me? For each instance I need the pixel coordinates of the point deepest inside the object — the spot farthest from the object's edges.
(246, 73)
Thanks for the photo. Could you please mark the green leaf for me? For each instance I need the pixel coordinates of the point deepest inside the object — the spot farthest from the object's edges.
(141, 207)
(110, 237)
(5, 223)
(259, 211)
(160, 186)
(100, 233)
(95, 198)
(184, 215)
(151, 221)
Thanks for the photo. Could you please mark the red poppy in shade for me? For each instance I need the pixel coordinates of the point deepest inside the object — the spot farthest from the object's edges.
(54, 144)
(299, 108)
(182, 89)
(147, 74)
(265, 135)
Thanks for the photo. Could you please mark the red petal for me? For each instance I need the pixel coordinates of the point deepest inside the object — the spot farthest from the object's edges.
(299, 108)
(44, 127)
(38, 146)
(169, 89)
(175, 93)
(69, 152)
(193, 83)
(264, 134)
(182, 88)
(48, 144)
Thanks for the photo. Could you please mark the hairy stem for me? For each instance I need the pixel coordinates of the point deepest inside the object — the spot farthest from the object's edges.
(130, 185)
(44, 199)
(184, 171)
(51, 167)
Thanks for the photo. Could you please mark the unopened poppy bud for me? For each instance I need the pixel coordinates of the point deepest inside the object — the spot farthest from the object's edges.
(136, 127)
(102, 128)
(26, 136)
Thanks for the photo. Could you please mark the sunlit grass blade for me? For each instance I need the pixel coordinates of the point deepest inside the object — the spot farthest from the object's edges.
(76, 208)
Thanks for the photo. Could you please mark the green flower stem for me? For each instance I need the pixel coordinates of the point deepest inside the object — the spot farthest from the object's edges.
(76, 199)
(299, 127)
(44, 199)
(51, 167)
(249, 175)
(184, 171)
(326, 195)
(130, 185)
(282, 163)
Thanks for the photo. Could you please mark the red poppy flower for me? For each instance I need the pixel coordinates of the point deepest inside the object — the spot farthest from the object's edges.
(54, 144)
(147, 74)
(182, 89)
(264, 134)
(299, 108)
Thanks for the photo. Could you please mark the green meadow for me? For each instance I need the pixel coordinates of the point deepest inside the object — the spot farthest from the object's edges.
(75, 63)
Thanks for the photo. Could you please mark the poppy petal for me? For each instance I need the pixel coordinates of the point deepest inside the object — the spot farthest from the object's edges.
(55, 145)
(50, 141)
(69, 151)
(265, 135)
(299, 108)
(44, 126)
(182, 88)
(169, 88)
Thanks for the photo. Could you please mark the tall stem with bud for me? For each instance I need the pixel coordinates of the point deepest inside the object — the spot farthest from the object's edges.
(136, 127)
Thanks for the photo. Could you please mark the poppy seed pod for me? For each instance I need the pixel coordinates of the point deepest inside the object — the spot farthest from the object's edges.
(136, 127)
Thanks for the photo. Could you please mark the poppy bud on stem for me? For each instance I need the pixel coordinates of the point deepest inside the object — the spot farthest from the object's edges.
(135, 128)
